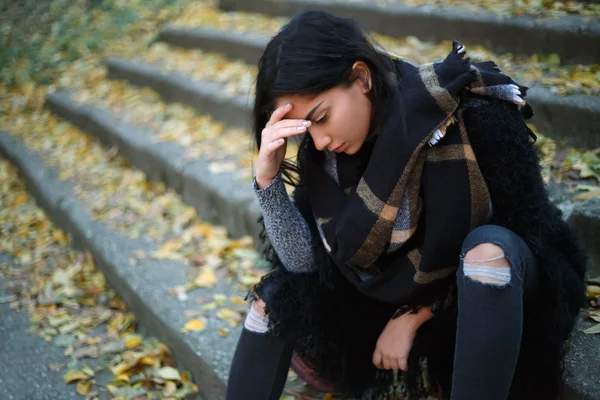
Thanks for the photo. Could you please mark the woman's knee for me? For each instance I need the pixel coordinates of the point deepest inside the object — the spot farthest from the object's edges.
(257, 319)
(484, 255)
(487, 263)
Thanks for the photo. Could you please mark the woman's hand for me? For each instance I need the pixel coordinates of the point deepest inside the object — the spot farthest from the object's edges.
(395, 342)
(273, 144)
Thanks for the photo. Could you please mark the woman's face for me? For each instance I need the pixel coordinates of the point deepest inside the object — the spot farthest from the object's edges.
(340, 117)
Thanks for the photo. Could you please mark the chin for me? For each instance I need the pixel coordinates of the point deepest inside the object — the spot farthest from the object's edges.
(351, 150)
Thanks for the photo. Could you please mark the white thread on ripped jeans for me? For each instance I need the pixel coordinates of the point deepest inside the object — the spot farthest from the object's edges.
(501, 275)
(255, 322)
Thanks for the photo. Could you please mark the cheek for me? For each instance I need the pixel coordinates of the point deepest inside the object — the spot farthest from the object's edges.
(352, 121)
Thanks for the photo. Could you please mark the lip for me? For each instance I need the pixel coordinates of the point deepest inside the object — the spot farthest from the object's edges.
(339, 148)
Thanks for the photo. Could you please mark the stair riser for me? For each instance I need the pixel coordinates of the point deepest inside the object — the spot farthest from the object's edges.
(574, 38)
(574, 119)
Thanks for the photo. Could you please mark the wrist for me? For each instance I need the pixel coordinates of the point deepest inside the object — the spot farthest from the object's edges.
(416, 319)
(262, 182)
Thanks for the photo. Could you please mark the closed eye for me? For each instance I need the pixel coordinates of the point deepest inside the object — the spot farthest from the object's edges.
(322, 119)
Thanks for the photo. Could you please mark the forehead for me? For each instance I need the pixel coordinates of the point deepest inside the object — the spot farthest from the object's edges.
(302, 104)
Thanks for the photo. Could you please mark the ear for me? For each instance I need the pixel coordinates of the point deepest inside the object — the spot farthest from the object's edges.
(362, 74)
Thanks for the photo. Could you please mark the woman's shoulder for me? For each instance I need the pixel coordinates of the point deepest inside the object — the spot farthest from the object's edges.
(491, 120)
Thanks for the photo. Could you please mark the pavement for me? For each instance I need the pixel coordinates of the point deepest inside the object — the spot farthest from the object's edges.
(25, 359)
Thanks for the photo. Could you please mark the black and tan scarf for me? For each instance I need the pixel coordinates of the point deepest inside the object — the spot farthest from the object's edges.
(400, 221)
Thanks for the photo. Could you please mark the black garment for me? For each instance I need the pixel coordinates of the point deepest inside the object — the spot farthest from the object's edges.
(322, 306)
(490, 321)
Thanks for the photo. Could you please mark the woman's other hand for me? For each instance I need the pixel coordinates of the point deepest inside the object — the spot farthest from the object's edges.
(274, 143)
(394, 343)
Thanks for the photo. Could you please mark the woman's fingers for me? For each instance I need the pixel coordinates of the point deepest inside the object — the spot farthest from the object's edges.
(278, 114)
(403, 364)
(377, 359)
(284, 129)
(390, 362)
(271, 147)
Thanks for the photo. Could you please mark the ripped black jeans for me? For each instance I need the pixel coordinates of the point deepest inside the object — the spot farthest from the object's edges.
(488, 337)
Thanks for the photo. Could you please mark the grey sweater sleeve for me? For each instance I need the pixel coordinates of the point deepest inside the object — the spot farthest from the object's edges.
(286, 228)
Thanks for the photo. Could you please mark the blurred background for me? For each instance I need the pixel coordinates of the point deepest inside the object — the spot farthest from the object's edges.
(128, 226)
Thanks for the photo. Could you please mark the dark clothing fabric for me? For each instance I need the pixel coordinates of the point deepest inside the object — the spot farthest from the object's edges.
(421, 163)
(490, 321)
(323, 307)
(259, 367)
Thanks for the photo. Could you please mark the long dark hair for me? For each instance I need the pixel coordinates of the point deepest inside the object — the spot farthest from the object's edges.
(312, 53)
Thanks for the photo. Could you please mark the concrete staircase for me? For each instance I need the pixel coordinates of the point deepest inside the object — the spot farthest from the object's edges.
(224, 197)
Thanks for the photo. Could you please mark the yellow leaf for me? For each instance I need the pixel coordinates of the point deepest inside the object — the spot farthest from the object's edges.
(237, 300)
(123, 367)
(209, 306)
(19, 199)
(194, 325)
(169, 389)
(229, 314)
(74, 375)
(185, 377)
(83, 387)
(220, 299)
(60, 237)
(164, 349)
(206, 278)
(223, 332)
(593, 291)
(122, 378)
(132, 341)
(169, 247)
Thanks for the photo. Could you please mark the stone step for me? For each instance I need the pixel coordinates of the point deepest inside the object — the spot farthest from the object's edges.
(578, 124)
(143, 286)
(207, 98)
(575, 39)
(221, 199)
(247, 46)
(584, 216)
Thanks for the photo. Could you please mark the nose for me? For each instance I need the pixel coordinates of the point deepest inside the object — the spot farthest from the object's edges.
(321, 141)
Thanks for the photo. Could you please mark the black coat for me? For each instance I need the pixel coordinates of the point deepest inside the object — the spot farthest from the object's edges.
(336, 327)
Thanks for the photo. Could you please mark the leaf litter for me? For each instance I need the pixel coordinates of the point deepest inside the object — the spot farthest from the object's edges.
(120, 196)
(70, 304)
(510, 8)
(545, 70)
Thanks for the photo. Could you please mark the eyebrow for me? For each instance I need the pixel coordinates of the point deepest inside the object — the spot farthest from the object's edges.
(311, 112)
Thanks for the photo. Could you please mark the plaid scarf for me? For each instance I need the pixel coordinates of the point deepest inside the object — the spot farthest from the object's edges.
(401, 219)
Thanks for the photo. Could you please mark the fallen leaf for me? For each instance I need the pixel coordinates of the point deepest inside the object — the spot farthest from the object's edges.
(194, 325)
(83, 387)
(592, 194)
(237, 300)
(593, 330)
(206, 278)
(593, 291)
(74, 375)
(132, 341)
(168, 374)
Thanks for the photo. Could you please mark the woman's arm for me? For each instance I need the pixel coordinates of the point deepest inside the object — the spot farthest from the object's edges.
(510, 164)
(286, 228)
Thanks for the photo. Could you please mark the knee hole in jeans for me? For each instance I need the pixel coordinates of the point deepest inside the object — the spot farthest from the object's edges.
(257, 320)
(487, 264)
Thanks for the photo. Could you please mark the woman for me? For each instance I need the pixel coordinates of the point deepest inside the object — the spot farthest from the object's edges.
(421, 253)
